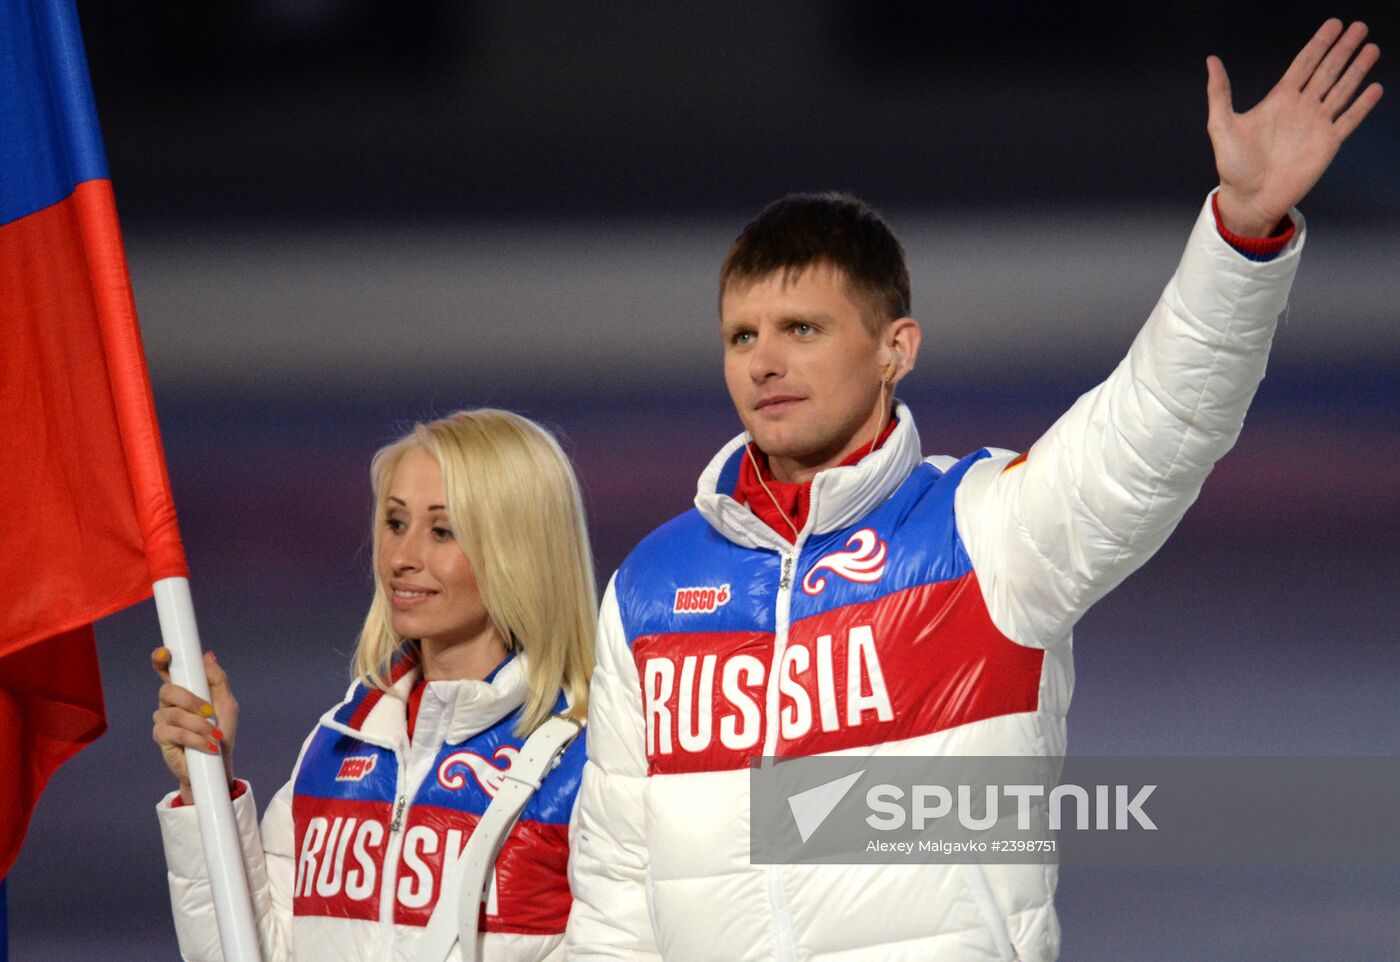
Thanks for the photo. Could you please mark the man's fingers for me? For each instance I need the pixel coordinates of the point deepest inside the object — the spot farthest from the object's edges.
(1217, 92)
(1340, 95)
(1301, 70)
(1357, 112)
(1335, 61)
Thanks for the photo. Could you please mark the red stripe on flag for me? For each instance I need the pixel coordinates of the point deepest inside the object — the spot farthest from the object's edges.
(50, 709)
(129, 380)
(90, 523)
(94, 524)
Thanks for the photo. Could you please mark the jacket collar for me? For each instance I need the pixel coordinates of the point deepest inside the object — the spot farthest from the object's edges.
(456, 710)
(840, 496)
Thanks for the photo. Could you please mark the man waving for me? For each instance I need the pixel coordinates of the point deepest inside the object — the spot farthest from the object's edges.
(833, 591)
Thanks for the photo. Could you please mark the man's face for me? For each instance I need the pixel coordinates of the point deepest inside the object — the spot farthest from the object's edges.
(802, 368)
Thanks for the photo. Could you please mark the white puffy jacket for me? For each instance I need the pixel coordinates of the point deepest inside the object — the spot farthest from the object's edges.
(925, 609)
(353, 849)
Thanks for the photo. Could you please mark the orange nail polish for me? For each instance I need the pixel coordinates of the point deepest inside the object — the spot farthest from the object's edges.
(213, 749)
(218, 735)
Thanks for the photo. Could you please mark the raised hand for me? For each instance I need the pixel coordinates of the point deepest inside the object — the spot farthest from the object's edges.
(1270, 157)
(184, 720)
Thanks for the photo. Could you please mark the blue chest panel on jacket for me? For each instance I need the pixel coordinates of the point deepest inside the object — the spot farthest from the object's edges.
(911, 539)
(466, 776)
(339, 766)
(686, 554)
(462, 777)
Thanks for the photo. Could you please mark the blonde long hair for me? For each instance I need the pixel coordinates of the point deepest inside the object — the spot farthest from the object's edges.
(515, 507)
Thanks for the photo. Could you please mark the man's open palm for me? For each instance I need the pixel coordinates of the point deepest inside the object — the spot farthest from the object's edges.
(1270, 157)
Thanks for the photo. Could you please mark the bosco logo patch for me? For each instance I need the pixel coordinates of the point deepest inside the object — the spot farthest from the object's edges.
(700, 601)
(355, 768)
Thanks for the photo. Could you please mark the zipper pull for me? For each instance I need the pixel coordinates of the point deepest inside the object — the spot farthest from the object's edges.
(787, 572)
(398, 814)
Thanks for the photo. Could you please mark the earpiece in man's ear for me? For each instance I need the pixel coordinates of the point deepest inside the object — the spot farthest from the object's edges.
(896, 362)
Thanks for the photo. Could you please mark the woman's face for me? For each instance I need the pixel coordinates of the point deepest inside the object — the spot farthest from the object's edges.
(429, 582)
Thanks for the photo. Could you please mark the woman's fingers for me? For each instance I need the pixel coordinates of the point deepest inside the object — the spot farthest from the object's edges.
(172, 695)
(177, 736)
(160, 663)
(225, 705)
(184, 720)
(222, 706)
(200, 726)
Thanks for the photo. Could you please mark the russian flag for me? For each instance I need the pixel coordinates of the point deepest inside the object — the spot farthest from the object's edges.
(88, 522)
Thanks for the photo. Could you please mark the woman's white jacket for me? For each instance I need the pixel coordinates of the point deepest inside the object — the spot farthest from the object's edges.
(352, 850)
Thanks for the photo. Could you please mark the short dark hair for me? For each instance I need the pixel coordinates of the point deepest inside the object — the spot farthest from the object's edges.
(800, 230)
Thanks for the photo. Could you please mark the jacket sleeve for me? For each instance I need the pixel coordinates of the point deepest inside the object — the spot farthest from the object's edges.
(1096, 496)
(608, 863)
(279, 856)
(267, 859)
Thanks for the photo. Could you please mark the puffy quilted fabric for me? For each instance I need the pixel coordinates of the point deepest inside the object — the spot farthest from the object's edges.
(926, 608)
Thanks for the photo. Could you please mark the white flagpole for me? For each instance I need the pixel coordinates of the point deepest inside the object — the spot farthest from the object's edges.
(233, 907)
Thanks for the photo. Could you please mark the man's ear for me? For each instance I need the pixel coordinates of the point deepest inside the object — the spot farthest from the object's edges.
(902, 338)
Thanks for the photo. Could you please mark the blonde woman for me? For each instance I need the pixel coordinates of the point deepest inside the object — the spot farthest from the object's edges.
(480, 629)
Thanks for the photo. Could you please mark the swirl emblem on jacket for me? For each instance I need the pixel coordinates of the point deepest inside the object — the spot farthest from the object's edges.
(862, 562)
(487, 775)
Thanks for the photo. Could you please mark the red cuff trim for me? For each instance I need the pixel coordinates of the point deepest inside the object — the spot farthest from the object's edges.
(239, 787)
(1017, 460)
(1255, 247)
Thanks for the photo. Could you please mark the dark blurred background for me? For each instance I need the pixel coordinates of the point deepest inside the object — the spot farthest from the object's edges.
(346, 216)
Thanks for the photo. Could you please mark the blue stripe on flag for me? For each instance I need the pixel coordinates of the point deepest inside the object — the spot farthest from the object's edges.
(49, 138)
